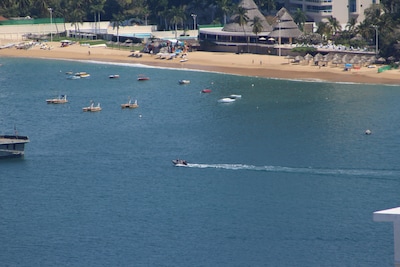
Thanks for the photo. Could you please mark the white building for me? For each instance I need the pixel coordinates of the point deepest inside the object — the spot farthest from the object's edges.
(342, 10)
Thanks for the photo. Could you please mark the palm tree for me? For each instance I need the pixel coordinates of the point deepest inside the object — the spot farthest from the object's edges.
(117, 22)
(257, 28)
(177, 16)
(225, 6)
(299, 18)
(351, 25)
(322, 28)
(242, 19)
(334, 25)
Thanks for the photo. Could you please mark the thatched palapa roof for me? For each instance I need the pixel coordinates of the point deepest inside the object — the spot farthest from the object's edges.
(286, 28)
(252, 11)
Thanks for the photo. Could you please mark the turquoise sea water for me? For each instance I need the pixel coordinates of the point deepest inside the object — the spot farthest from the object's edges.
(284, 176)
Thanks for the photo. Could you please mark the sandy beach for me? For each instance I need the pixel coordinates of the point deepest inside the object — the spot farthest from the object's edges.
(241, 64)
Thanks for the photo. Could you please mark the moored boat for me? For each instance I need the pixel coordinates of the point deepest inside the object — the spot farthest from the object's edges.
(82, 74)
(130, 104)
(12, 146)
(92, 108)
(142, 77)
(227, 100)
(235, 96)
(183, 81)
(60, 100)
(113, 76)
(206, 90)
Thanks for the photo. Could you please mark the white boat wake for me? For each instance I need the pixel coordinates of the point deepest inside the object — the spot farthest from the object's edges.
(306, 170)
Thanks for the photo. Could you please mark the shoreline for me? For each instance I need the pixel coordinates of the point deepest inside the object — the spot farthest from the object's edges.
(250, 65)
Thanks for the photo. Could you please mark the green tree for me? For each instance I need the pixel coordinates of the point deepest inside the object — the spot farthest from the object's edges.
(257, 28)
(299, 18)
(323, 29)
(177, 15)
(241, 18)
(351, 25)
(334, 26)
(225, 6)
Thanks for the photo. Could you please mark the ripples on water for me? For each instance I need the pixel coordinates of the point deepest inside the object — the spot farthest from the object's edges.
(284, 176)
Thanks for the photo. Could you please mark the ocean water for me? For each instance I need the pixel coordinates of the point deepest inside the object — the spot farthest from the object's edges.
(284, 176)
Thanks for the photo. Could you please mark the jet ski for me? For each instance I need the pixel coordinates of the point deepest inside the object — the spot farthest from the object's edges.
(179, 162)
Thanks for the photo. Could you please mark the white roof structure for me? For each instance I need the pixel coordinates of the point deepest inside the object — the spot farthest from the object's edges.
(391, 215)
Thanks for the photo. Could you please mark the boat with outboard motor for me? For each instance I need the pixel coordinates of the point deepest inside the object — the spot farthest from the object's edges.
(92, 107)
(60, 100)
(179, 162)
(130, 104)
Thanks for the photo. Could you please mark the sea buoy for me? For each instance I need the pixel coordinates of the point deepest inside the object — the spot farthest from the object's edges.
(368, 132)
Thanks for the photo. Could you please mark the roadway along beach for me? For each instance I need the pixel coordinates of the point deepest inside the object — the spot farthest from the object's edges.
(242, 64)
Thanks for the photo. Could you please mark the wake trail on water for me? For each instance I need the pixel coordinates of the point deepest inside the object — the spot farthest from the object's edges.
(306, 170)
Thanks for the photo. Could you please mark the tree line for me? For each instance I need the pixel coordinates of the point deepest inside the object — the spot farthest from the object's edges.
(382, 18)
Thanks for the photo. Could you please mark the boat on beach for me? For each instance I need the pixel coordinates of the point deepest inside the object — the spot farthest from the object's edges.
(12, 146)
(59, 100)
(130, 104)
(92, 108)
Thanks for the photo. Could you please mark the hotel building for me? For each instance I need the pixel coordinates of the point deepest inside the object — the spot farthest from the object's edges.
(342, 10)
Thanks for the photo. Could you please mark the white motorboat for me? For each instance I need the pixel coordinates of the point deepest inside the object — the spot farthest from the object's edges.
(227, 100)
(183, 81)
(235, 96)
(179, 162)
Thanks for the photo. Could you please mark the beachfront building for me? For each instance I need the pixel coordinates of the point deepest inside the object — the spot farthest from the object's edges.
(233, 37)
(342, 10)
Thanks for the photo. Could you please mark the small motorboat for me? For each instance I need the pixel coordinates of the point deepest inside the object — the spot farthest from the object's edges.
(142, 77)
(113, 76)
(82, 74)
(183, 81)
(206, 91)
(73, 77)
(130, 104)
(92, 108)
(60, 100)
(235, 96)
(179, 162)
(227, 100)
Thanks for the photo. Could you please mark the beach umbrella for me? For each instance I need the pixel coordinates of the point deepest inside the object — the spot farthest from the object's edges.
(381, 60)
(345, 59)
(289, 57)
(299, 58)
(308, 57)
